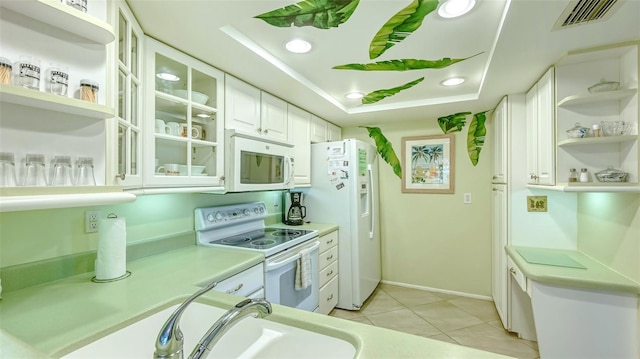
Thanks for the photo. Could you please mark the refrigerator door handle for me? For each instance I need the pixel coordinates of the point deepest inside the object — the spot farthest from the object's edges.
(371, 202)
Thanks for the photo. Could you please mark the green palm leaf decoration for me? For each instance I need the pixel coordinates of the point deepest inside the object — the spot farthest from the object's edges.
(475, 136)
(400, 26)
(378, 95)
(385, 149)
(453, 123)
(322, 14)
(403, 64)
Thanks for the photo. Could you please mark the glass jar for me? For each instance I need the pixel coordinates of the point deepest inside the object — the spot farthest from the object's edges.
(573, 175)
(584, 175)
(78, 4)
(28, 69)
(89, 90)
(7, 170)
(58, 80)
(5, 71)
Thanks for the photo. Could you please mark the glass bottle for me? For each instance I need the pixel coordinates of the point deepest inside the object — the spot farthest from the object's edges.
(573, 175)
(584, 175)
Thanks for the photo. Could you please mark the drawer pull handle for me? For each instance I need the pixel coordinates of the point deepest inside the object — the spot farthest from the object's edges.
(235, 290)
(513, 271)
(330, 273)
(330, 241)
(330, 257)
(330, 297)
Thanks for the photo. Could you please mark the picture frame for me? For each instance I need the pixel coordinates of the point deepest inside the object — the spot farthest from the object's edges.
(428, 164)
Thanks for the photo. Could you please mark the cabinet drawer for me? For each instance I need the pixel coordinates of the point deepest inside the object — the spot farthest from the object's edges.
(243, 283)
(329, 272)
(327, 257)
(327, 241)
(328, 296)
(517, 274)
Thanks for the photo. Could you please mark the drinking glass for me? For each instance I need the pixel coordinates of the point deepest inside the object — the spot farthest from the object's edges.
(61, 171)
(85, 175)
(7, 170)
(35, 174)
(29, 72)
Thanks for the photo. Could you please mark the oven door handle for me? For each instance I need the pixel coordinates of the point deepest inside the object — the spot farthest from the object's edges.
(277, 264)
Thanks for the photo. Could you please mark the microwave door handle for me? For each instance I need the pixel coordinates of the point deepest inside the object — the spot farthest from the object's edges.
(288, 161)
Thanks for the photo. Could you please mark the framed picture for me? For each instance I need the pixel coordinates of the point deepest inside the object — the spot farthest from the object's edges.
(428, 164)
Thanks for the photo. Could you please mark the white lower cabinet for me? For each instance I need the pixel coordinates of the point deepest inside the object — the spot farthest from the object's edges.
(328, 265)
(244, 283)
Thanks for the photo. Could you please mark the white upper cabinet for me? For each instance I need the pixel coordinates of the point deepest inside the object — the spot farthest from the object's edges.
(184, 133)
(128, 59)
(500, 135)
(254, 112)
(318, 129)
(35, 121)
(334, 133)
(299, 128)
(273, 118)
(576, 104)
(540, 117)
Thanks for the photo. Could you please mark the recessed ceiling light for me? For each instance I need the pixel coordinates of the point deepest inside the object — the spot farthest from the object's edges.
(298, 46)
(354, 95)
(167, 76)
(453, 81)
(455, 8)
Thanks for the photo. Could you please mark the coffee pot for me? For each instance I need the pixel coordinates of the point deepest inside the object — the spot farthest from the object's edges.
(296, 212)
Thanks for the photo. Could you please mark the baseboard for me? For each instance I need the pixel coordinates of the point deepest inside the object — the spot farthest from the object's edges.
(437, 290)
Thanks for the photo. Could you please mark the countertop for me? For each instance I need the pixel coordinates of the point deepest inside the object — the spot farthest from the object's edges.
(595, 276)
(58, 317)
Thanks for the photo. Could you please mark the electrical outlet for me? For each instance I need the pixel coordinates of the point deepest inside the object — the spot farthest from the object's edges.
(91, 221)
(467, 198)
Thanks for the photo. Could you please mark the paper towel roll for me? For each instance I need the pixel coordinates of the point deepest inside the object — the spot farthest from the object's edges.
(111, 262)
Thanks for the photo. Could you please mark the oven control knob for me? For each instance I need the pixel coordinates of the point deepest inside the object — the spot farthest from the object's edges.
(210, 217)
(246, 212)
(261, 209)
(255, 210)
(218, 216)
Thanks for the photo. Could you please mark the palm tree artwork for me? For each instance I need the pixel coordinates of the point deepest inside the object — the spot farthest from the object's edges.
(426, 164)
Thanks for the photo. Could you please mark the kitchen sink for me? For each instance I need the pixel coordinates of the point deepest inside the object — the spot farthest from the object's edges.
(249, 338)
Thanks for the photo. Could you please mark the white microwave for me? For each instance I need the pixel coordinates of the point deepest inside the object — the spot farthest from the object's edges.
(257, 164)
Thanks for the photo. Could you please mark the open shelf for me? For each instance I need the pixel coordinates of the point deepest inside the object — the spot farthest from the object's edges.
(64, 17)
(589, 98)
(596, 140)
(43, 100)
(590, 187)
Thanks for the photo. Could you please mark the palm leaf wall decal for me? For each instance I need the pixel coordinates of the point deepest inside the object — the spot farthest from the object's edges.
(453, 123)
(385, 149)
(475, 136)
(322, 14)
(378, 95)
(400, 26)
(403, 64)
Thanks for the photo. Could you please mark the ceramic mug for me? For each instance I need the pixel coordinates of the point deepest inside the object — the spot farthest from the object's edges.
(161, 127)
(170, 169)
(195, 132)
(174, 128)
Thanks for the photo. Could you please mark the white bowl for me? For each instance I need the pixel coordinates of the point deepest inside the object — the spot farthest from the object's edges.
(197, 97)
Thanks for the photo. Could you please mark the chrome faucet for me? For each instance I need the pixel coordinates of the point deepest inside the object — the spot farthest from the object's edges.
(170, 339)
(259, 308)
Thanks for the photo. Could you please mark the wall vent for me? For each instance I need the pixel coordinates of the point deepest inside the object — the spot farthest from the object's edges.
(581, 12)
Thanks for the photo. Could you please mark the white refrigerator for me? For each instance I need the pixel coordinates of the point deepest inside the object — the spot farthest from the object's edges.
(344, 191)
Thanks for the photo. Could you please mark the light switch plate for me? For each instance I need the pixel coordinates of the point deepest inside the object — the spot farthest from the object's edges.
(536, 203)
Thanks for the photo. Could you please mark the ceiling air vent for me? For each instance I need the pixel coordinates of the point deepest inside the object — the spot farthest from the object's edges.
(581, 12)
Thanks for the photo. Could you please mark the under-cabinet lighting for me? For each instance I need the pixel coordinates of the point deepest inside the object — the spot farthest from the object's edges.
(452, 81)
(298, 46)
(203, 115)
(167, 76)
(455, 8)
(354, 95)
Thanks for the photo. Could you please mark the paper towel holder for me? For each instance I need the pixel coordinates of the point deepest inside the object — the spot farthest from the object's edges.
(125, 275)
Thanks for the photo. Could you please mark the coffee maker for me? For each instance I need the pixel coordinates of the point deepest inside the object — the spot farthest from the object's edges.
(295, 212)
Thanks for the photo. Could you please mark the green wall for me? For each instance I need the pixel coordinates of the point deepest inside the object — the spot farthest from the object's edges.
(435, 240)
(30, 236)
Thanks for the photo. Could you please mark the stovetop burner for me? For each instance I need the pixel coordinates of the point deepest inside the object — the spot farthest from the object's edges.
(286, 233)
(262, 243)
(233, 241)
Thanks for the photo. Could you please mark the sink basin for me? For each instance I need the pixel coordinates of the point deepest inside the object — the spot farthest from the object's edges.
(249, 338)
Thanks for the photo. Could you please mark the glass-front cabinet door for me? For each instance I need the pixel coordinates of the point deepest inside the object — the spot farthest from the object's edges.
(128, 98)
(184, 133)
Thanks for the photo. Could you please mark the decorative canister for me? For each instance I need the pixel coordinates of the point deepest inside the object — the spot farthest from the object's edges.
(89, 90)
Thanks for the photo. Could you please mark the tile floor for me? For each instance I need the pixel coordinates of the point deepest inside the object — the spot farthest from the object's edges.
(461, 320)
